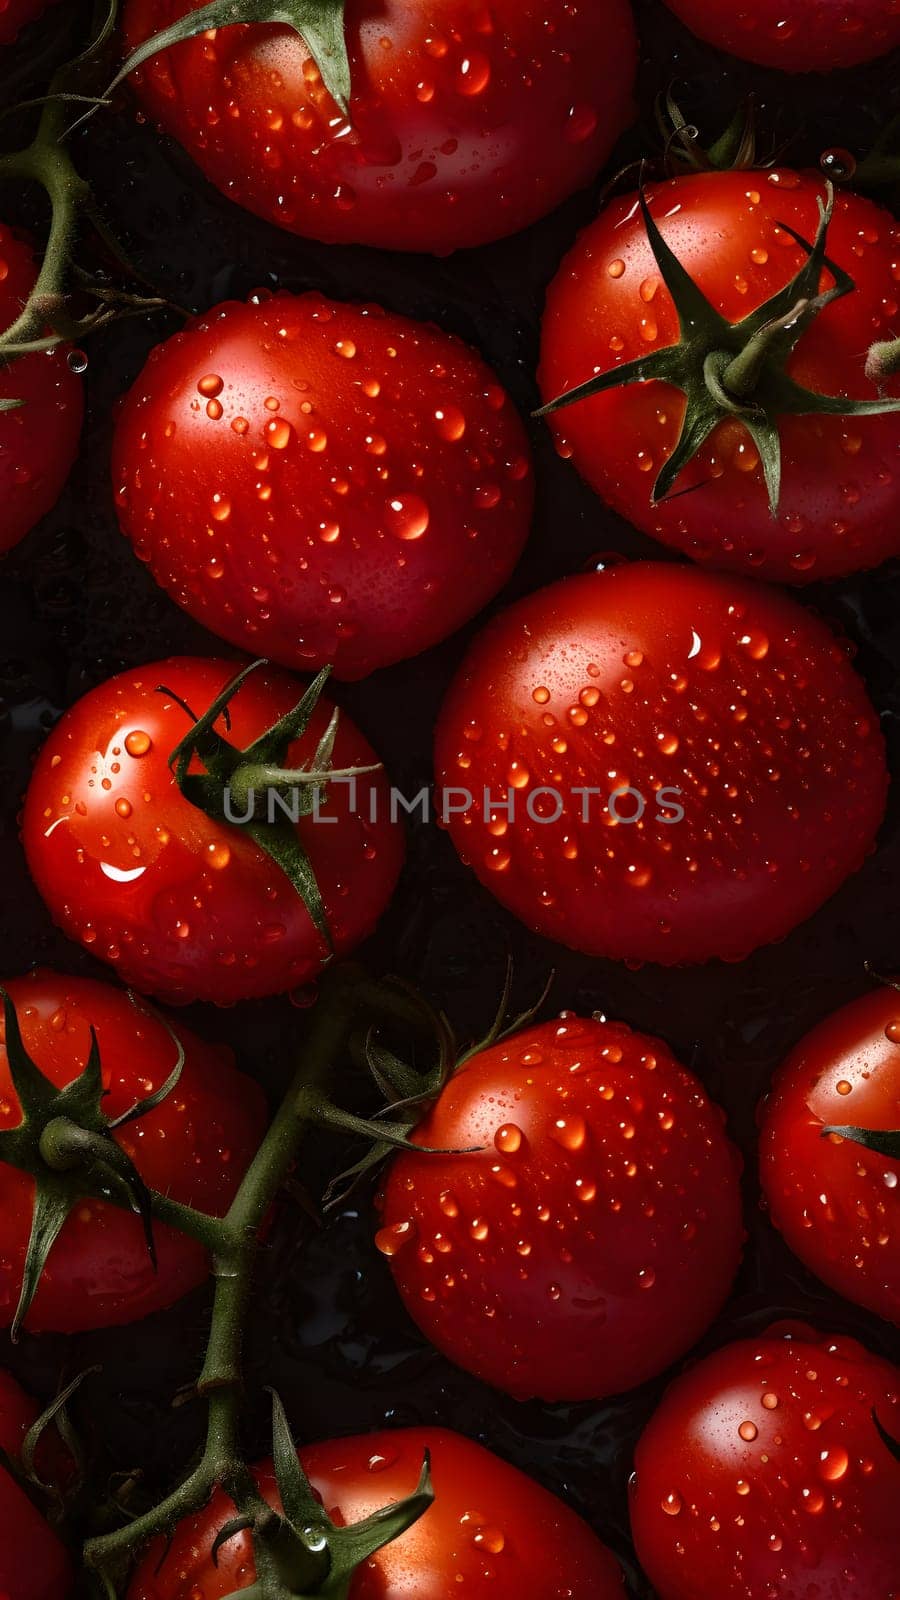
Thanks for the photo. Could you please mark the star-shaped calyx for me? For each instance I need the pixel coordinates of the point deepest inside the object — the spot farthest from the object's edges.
(66, 1142)
(236, 786)
(300, 1553)
(737, 369)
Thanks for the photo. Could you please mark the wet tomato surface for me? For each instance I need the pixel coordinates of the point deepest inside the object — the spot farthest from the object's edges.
(593, 1232)
(490, 1531)
(466, 122)
(33, 1563)
(656, 764)
(181, 904)
(796, 35)
(840, 493)
(836, 1201)
(323, 483)
(763, 1475)
(194, 1147)
(39, 436)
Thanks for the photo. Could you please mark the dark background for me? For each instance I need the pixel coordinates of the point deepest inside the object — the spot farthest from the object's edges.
(76, 606)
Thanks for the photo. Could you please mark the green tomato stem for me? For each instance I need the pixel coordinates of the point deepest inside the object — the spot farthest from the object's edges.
(234, 1241)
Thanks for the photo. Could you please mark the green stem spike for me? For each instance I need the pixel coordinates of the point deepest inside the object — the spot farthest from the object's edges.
(65, 1141)
(320, 24)
(739, 369)
(884, 1142)
(238, 786)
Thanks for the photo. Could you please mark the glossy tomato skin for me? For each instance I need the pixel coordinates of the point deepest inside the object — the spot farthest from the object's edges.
(33, 1562)
(837, 1203)
(39, 438)
(594, 1232)
(195, 1147)
(762, 1475)
(491, 1532)
(840, 500)
(325, 484)
(796, 35)
(700, 693)
(466, 122)
(184, 906)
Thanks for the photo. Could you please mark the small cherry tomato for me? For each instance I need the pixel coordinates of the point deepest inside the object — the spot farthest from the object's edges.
(194, 1147)
(836, 1201)
(183, 902)
(465, 122)
(323, 483)
(491, 1533)
(593, 1232)
(39, 435)
(796, 35)
(655, 764)
(763, 1475)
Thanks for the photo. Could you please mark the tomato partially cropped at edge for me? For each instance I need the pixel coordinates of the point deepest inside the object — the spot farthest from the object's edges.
(840, 493)
(33, 1563)
(39, 438)
(325, 484)
(594, 1231)
(693, 765)
(194, 1147)
(836, 1202)
(762, 1476)
(796, 35)
(491, 1533)
(466, 122)
(182, 905)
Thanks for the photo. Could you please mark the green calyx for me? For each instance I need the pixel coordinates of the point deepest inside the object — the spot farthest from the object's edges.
(884, 1142)
(300, 1553)
(253, 790)
(320, 24)
(65, 1141)
(411, 1090)
(735, 150)
(736, 369)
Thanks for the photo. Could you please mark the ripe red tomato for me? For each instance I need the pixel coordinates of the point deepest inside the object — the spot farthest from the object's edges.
(834, 1200)
(39, 438)
(490, 1533)
(840, 495)
(796, 35)
(33, 1563)
(183, 904)
(762, 1475)
(322, 482)
(595, 1231)
(466, 122)
(195, 1147)
(735, 767)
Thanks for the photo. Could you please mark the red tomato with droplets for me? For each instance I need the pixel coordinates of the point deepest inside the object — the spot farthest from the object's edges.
(194, 1147)
(840, 496)
(796, 35)
(39, 437)
(184, 905)
(466, 121)
(491, 1532)
(836, 1202)
(323, 483)
(33, 1563)
(593, 1232)
(763, 1476)
(692, 764)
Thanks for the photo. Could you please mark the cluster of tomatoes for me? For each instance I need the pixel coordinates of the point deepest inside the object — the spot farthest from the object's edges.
(663, 762)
